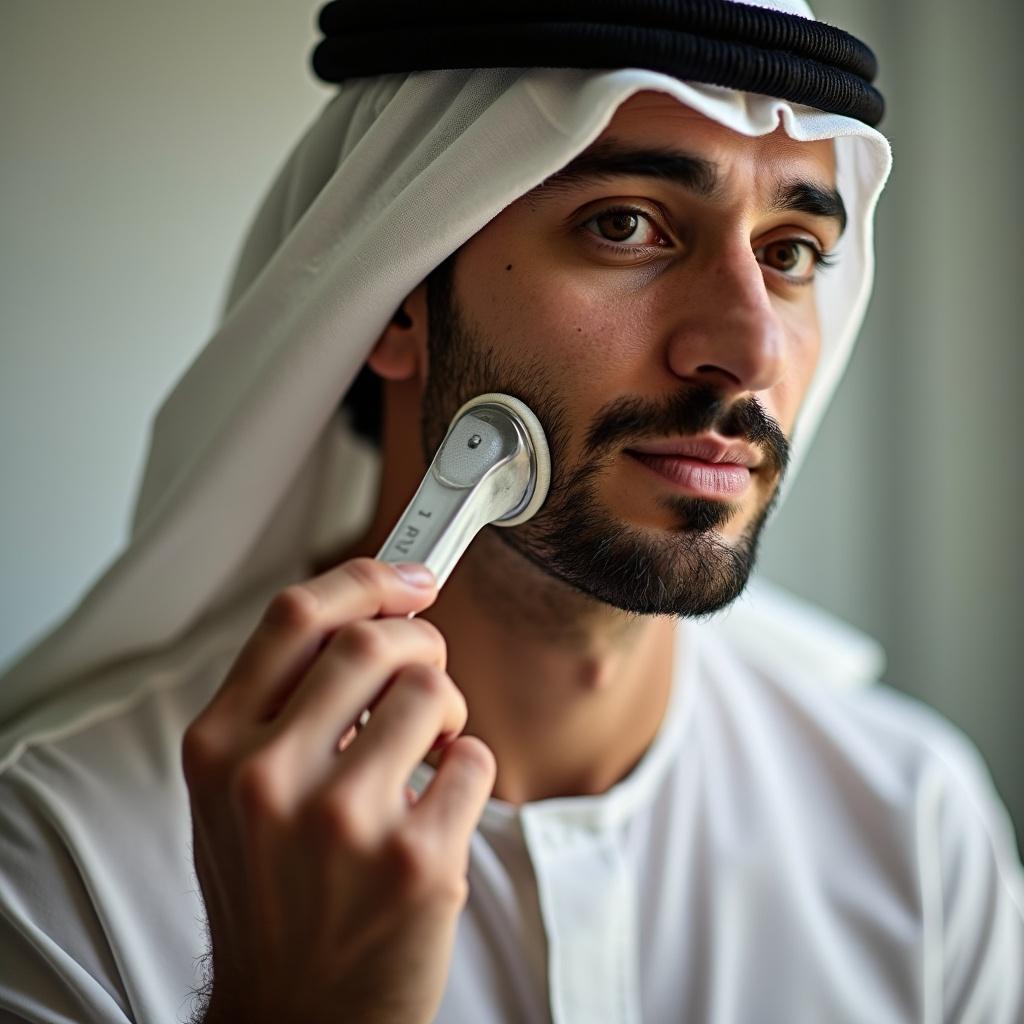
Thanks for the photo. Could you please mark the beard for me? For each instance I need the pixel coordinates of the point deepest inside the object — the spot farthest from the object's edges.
(687, 570)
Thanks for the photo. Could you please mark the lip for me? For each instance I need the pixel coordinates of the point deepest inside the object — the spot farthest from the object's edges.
(701, 479)
(703, 467)
(705, 448)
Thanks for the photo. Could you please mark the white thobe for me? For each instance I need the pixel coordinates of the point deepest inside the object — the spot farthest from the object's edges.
(783, 852)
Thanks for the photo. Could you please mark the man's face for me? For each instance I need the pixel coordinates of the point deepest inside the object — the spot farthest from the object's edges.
(654, 303)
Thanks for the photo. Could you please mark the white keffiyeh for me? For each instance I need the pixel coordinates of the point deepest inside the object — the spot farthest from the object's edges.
(395, 174)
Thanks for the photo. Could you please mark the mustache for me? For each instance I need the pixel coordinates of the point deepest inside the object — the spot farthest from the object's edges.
(698, 409)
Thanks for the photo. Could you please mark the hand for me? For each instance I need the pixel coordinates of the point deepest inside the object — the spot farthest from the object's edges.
(331, 894)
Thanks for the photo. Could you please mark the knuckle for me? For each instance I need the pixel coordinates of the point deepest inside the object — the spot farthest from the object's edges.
(258, 789)
(202, 751)
(369, 573)
(427, 680)
(435, 685)
(361, 640)
(421, 873)
(433, 635)
(339, 821)
(412, 863)
(461, 707)
(454, 891)
(294, 609)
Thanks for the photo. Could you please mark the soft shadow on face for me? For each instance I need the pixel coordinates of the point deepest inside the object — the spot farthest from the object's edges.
(685, 570)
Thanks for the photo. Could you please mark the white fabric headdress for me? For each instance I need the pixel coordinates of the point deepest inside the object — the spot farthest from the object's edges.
(396, 174)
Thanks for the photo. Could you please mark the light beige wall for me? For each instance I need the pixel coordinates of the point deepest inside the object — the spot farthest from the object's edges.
(137, 138)
(906, 520)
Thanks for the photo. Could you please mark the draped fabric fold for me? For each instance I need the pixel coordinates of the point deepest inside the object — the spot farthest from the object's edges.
(395, 175)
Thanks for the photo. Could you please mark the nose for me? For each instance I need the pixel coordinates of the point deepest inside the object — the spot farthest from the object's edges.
(726, 331)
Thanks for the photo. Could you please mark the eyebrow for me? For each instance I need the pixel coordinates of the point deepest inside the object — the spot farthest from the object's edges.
(809, 197)
(607, 160)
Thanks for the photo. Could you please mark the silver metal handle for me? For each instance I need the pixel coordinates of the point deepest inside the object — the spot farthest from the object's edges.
(487, 469)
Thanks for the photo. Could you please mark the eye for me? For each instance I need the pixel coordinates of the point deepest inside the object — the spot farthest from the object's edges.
(795, 258)
(625, 226)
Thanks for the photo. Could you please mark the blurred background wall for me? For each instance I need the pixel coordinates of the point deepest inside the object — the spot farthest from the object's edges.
(903, 519)
(138, 137)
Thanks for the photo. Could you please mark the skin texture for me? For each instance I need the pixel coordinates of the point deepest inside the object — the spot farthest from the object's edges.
(683, 568)
(330, 892)
(566, 690)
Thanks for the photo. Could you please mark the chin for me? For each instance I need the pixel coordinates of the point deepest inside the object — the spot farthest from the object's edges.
(680, 572)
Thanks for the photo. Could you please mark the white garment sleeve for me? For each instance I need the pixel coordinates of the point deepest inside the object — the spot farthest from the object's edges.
(56, 966)
(42, 984)
(56, 963)
(973, 894)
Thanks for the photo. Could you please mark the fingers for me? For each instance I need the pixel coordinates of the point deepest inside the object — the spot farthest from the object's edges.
(300, 619)
(349, 674)
(296, 837)
(454, 801)
(420, 704)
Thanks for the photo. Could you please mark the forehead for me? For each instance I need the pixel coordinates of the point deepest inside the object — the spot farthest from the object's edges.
(651, 119)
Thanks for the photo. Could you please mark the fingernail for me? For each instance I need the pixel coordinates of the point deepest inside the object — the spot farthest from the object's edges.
(414, 574)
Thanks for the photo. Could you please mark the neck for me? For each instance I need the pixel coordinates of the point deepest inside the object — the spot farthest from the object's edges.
(567, 692)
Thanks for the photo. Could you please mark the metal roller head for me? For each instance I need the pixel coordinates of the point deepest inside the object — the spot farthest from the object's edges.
(493, 466)
(502, 410)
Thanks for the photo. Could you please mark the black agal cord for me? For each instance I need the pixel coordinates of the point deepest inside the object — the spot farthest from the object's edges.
(712, 41)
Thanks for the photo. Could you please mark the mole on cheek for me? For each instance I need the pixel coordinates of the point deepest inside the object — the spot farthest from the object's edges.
(509, 267)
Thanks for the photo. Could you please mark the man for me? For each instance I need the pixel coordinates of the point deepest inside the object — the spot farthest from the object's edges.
(611, 815)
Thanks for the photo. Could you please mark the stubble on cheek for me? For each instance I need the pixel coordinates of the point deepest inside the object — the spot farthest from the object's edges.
(545, 352)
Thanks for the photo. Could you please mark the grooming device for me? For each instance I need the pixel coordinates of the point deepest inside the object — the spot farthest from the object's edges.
(493, 466)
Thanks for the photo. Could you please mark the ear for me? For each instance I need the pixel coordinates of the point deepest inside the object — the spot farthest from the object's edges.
(401, 351)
